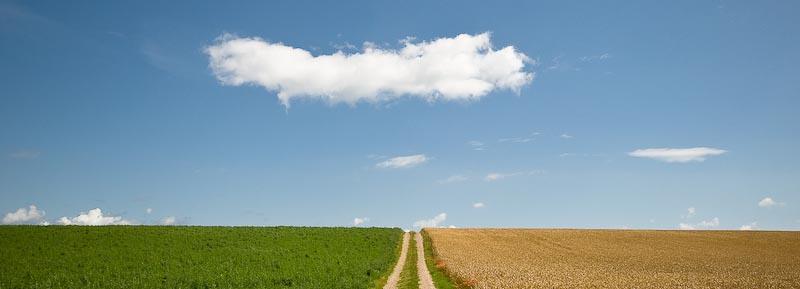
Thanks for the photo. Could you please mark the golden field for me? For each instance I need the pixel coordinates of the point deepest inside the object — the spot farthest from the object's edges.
(564, 258)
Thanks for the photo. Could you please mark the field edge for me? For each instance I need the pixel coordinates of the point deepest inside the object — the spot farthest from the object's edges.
(381, 281)
(441, 278)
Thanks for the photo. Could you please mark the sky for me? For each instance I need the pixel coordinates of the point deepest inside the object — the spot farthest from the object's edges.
(553, 114)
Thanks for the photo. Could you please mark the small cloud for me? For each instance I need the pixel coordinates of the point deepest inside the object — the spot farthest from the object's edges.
(25, 154)
(169, 221)
(702, 225)
(453, 179)
(516, 139)
(27, 215)
(749, 227)
(491, 177)
(476, 145)
(403, 162)
(360, 221)
(452, 227)
(431, 223)
(94, 217)
(768, 202)
(592, 58)
(149, 210)
(673, 155)
(478, 205)
(565, 136)
(690, 212)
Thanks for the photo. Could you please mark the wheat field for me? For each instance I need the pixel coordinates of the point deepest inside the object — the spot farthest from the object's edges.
(563, 258)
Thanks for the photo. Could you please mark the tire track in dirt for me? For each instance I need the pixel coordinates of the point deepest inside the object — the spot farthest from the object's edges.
(391, 283)
(425, 280)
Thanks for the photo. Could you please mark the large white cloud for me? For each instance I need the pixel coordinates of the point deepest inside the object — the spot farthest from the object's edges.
(673, 155)
(462, 68)
(94, 217)
(27, 215)
(431, 223)
(403, 162)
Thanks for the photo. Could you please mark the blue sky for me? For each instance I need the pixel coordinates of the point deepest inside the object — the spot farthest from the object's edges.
(119, 106)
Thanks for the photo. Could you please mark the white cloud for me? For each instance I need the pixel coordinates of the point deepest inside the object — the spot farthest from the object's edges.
(25, 154)
(491, 177)
(690, 212)
(359, 221)
(27, 215)
(749, 227)
(702, 225)
(769, 202)
(431, 223)
(403, 162)
(461, 68)
(476, 145)
(169, 221)
(453, 179)
(591, 58)
(672, 155)
(94, 217)
(149, 210)
(566, 136)
(478, 205)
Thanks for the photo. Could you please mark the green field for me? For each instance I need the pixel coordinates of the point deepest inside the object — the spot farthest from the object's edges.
(195, 257)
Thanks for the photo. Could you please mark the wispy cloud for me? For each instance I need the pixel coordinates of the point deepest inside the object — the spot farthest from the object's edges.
(565, 136)
(403, 162)
(25, 154)
(749, 227)
(592, 58)
(431, 223)
(169, 221)
(677, 155)
(491, 177)
(477, 145)
(690, 212)
(516, 139)
(453, 179)
(462, 68)
(478, 205)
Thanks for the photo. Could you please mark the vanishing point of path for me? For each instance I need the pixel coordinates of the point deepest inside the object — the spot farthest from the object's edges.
(425, 280)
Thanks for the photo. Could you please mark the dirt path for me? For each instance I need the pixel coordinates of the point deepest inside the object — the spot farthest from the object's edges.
(395, 276)
(425, 280)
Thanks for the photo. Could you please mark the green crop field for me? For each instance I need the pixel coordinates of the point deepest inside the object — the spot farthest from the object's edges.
(195, 257)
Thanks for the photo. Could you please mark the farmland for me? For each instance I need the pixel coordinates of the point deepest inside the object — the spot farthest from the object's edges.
(195, 257)
(550, 258)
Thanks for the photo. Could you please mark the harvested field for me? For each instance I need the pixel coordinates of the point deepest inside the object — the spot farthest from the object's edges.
(552, 258)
